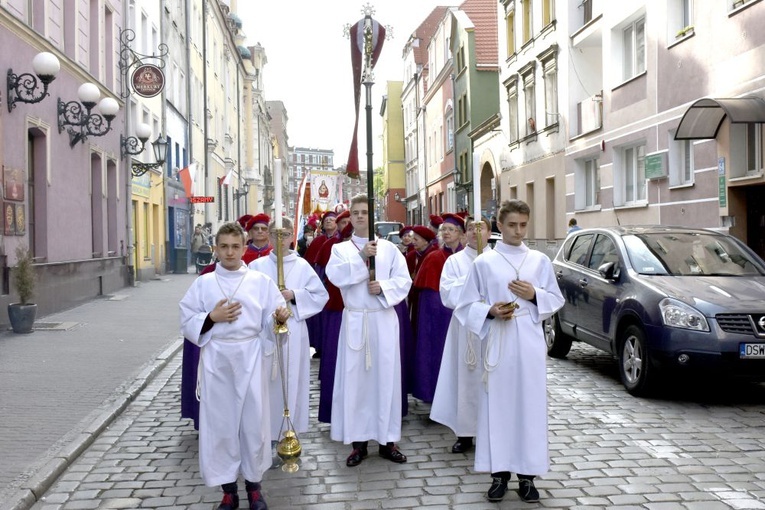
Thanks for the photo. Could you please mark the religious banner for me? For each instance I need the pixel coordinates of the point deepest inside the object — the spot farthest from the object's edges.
(323, 190)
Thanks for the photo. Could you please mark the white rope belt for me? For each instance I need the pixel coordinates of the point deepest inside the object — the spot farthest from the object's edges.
(470, 358)
(364, 335)
(494, 337)
(201, 350)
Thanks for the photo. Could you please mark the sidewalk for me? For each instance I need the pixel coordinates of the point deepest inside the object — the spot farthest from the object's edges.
(67, 381)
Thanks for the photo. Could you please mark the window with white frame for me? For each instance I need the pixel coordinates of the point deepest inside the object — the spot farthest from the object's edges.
(630, 175)
(633, 49)
(527, 26)
(550, 77)
(510, 29)
(679, 18)
(754, 157)
(512, 110)
(586, 184)
(548, 12)
(449, 128)
(529, 101)
(680, 161)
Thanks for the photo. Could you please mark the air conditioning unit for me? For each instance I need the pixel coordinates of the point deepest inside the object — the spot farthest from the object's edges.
(590, 113)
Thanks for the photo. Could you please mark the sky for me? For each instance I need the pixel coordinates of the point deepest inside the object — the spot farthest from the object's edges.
(309, 65)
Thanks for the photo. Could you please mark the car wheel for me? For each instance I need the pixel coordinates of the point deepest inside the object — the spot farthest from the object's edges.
(558, 343)
(634, 367)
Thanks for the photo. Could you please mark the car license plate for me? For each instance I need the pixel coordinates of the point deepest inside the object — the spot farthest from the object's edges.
(751, 350)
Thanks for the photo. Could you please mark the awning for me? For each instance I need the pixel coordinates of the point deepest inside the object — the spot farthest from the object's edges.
(704, 118)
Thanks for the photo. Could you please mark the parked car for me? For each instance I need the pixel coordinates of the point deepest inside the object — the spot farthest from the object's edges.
(494, 238)
(661, 298)
(383, 228)
(396, 239)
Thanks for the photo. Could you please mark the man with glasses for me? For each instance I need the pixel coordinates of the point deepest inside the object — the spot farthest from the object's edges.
(257, 229)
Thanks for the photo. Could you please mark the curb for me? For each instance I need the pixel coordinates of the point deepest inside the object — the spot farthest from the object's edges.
(78, 440)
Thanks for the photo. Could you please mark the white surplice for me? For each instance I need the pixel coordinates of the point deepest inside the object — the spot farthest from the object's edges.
(310, 297)
(512, 421)
(455, 403)
(366, 399)
(234, 402)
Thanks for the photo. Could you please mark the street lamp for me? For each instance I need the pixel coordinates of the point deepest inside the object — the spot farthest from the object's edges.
(397, 198)
(243, 192)
(82, 123)
(22, 88)
(129, 145)
(160, 153)
(457, 176)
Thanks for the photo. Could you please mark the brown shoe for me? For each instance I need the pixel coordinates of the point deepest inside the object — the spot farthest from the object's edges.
(356, 456)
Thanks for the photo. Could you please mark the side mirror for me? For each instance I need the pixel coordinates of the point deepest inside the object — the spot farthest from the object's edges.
(609, 271)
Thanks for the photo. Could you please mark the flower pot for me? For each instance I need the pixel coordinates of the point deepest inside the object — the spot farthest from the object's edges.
(22, 317)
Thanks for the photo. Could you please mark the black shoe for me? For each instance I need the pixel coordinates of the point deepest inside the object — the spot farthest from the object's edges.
(527, 491)
(392, 453)
(316, 355)
(256, 500)
(230, 501)
(356, 456)
(462, 445)
(498, 489)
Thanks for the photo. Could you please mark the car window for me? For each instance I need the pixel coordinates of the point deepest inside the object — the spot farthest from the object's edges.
(690, 254)
(580, 248)
(603, 252)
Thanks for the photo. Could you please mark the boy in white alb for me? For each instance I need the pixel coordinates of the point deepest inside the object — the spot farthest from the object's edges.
(226, 312)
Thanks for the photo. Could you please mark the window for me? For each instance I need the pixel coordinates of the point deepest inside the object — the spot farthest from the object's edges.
(587, 10)
(679, 18)
(603, 252)
(449, 128)
(754, 148)
(548, 6)
(680, 161)
(529, 99)
(510, 27)
(587, 184)
(633, 45)
(526, 5)
(633, 174)
(512, 110)
(550, 76)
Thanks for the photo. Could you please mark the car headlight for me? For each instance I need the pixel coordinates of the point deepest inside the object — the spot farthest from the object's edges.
(677, 314)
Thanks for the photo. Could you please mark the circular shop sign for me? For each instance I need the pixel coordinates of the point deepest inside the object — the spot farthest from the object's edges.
(148, 80)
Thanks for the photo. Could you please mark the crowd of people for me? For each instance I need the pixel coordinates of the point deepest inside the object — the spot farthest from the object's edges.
(443, 318)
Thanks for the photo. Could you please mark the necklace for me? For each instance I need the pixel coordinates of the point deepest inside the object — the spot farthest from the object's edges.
(230, 298)
(516, 269)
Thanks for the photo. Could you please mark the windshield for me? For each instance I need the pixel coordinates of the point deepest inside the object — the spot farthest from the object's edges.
(690, 254)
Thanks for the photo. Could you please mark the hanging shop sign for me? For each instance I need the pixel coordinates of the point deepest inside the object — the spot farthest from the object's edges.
(148, 80)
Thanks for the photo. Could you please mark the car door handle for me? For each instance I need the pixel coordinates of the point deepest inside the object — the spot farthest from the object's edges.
(583, 282)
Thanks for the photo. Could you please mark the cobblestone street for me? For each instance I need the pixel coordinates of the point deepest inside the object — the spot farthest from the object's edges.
(700, 448)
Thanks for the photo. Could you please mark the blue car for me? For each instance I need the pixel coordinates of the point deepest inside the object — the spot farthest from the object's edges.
(661, 298)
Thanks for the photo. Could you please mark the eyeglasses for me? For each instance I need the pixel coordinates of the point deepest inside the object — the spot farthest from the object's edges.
(450, 230)
(260, 229)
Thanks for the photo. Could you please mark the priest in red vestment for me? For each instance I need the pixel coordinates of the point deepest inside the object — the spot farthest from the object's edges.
(257, 229)
(329, 228)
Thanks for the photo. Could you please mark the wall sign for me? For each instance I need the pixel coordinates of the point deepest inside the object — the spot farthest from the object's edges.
(148, 80)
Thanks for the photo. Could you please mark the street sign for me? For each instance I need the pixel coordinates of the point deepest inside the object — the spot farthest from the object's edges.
(202, 200)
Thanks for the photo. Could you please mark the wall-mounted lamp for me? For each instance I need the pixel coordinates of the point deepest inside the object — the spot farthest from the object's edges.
(397, 198)
(457, 177)
(243, 192)
(79, 119)
(129, 145)
(160, 154)
(22, 88)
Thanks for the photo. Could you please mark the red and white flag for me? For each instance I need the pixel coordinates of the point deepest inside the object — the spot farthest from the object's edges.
(357, 60)
(227, 180)
(187, 175)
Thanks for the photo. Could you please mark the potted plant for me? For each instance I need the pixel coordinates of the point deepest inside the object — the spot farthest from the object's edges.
(22, 314)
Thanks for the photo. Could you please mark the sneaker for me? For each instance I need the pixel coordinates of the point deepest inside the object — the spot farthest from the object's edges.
(527, 491)
(230, 501)
(497, 489)
(256, 500)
